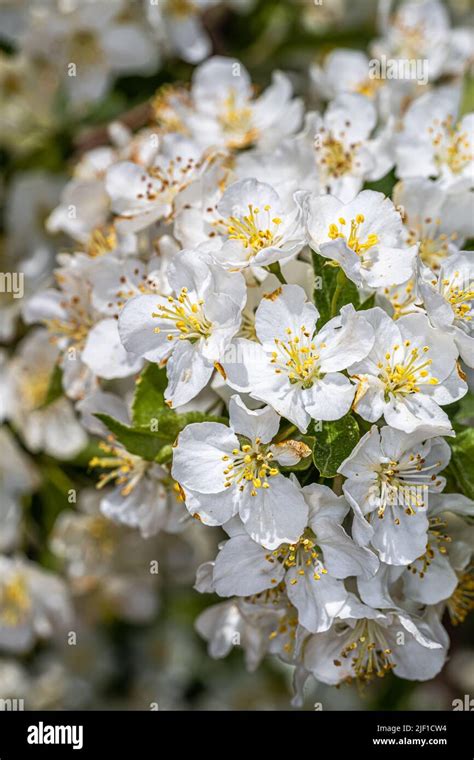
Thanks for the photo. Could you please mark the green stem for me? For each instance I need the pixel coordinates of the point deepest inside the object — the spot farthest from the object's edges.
(340, 282)
(276, 270)
(285, 433)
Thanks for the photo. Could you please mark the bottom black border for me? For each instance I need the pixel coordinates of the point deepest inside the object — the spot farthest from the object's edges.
(142, 734)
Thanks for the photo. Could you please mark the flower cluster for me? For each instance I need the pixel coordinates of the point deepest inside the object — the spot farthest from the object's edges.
(263, 320)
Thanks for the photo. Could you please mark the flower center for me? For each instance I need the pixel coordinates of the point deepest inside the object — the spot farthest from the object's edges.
(402, 299)
(452, 145)
(405, 376)
(252, 464)
(298, 357)
(437, 538)
(368, 87)
(102, 240)
(352, 239)
(180, 8)
(125, 469)
(333, 157)
(236, 123)
(368, 651)
(461, 602)
(15, 602)
(458, 296)
(187, 317)
(247, 325)
(304, 555)
(164, 182)
(75, 327)
(256, 230)
(405, 484)
(34, 387)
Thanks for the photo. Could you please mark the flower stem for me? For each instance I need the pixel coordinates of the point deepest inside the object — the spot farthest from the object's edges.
(276, 270)
(285, 433)
(340, 282)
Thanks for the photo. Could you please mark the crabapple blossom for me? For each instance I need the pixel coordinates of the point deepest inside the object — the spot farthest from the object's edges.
(294, 368)
(190, 330)
(390, 476)
(364, 236)
(408, 375)
(227, 471)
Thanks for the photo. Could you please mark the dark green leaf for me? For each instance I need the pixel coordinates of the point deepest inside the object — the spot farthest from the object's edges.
(384, 185)
(333, 443)
(462, 461)
(145, 444)
(328, 278)
(464, 417)
(153, 443)
(149, 396)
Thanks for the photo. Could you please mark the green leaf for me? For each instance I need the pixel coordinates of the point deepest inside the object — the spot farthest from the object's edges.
(462, 460)
(332, 289)
(464, 417)
(333, 443)
(145, 444)
(384, 185)
(149, 396)
(153, 443)
(369, 303)
(55, 387)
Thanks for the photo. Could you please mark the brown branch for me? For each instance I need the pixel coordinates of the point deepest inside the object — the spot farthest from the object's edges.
(93, 137)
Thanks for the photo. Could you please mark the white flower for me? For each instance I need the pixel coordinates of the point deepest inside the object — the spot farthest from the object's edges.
(390, 478)
(179, 28)
(421, 31)
(399, 300)
(410, 371)
(106, 564)
(33, 605)
(441, 572)
(345, 70)
(253, 626)
(441, 569)
(89, 344)
(365, 644)
(18, 476)
(234, 471)
(50, 427)
(115, 281)
(434, 144)
(364, 236)
(288, 168)
(142, 195)
(311, 567)
(142, 495)
(84, 204)
(258, 229)
(224, 113)
(98, 37)
(293, 368)
(438, 220)
(189, 331)
(448, 299)
(342, 147)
